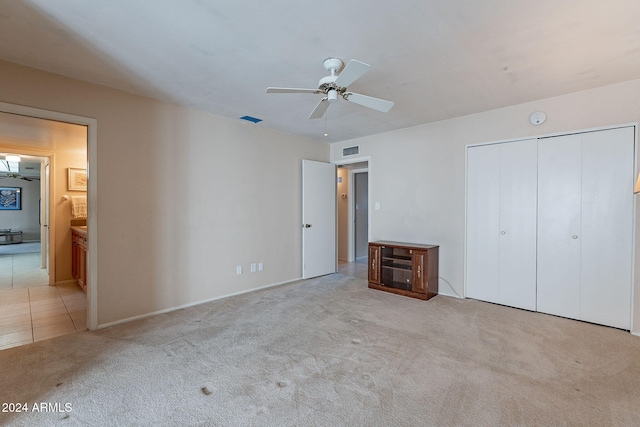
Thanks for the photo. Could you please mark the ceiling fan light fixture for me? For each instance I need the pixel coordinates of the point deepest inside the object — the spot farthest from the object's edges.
(332, 95)
(12, 158)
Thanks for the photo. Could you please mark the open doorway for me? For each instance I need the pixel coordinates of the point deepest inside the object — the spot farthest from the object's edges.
(24, 259)
(353, 191)
(51, 136)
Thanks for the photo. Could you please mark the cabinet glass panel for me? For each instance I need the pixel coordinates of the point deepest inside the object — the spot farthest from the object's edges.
(396, 268)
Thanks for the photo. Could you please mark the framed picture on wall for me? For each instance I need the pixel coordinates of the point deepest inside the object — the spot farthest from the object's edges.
(10, 199)
(77, 179)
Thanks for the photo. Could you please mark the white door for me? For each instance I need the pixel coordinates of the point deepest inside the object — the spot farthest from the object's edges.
(483, 222)
(501, 223)
(585, 226)
(518, 201)
(607, 227)
(559, 225)
(318, 218)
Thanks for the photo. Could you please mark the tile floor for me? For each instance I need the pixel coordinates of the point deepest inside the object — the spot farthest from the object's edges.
(22, 270)
(30, 309)
(40, 312)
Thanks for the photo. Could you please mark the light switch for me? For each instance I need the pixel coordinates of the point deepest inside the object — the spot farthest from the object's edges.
(376, 206)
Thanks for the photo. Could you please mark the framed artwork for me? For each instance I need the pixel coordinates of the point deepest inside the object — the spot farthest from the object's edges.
(10, 199)
(77, 179)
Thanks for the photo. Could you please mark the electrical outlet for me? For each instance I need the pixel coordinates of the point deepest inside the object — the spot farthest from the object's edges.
(239, 270)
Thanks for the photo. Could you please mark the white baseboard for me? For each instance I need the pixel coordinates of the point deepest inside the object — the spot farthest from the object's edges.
(168, 310)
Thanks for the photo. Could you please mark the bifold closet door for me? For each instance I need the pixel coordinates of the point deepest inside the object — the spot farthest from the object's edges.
(501, 223)
(585, 226)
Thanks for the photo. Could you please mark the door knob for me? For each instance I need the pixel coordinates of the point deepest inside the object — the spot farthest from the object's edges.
(575, 236)
(306, 225)
(503, 232)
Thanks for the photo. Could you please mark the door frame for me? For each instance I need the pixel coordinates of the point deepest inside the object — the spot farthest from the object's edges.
(350, 211)
(92, 187)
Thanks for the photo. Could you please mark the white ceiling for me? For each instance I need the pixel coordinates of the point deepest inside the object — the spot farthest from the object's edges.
(436, 59)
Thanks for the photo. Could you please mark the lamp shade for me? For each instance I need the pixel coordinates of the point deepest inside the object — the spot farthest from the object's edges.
(637, 189)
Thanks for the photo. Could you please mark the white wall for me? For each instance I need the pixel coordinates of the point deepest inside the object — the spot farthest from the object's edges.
(183, 196)
(25, 219)
(418, 174)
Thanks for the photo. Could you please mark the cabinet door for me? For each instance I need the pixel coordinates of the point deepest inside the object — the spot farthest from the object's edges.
(501, 223)
(374, 264)
(420, 282)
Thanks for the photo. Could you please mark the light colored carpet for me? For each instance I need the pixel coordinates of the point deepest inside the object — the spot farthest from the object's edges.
(331, 352)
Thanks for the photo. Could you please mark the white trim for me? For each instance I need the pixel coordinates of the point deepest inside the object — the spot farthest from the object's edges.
(92, 229)
(180, 307)
(554, 134)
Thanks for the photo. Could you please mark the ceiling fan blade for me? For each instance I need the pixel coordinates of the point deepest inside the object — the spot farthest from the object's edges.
(290, 90)
(370, 102)
(352, 72)
(320, 109)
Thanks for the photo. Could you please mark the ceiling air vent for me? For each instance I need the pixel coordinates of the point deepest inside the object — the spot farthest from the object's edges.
(350, 151)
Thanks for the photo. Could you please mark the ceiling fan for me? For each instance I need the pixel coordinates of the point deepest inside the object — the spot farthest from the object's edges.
(336, 85)
(18, 176)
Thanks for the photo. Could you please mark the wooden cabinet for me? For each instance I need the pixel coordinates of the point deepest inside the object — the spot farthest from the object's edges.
(79, 256)
(404, 268)
(374, 263)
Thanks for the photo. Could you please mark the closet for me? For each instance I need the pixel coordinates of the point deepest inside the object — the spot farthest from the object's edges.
(550, 223)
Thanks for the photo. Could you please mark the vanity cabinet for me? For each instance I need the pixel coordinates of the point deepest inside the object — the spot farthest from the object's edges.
(79, 256)
(404, 268)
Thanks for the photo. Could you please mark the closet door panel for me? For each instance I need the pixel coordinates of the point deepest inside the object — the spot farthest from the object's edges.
(483, 204)
(518, 201)
(607, 225)
(559, 225)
